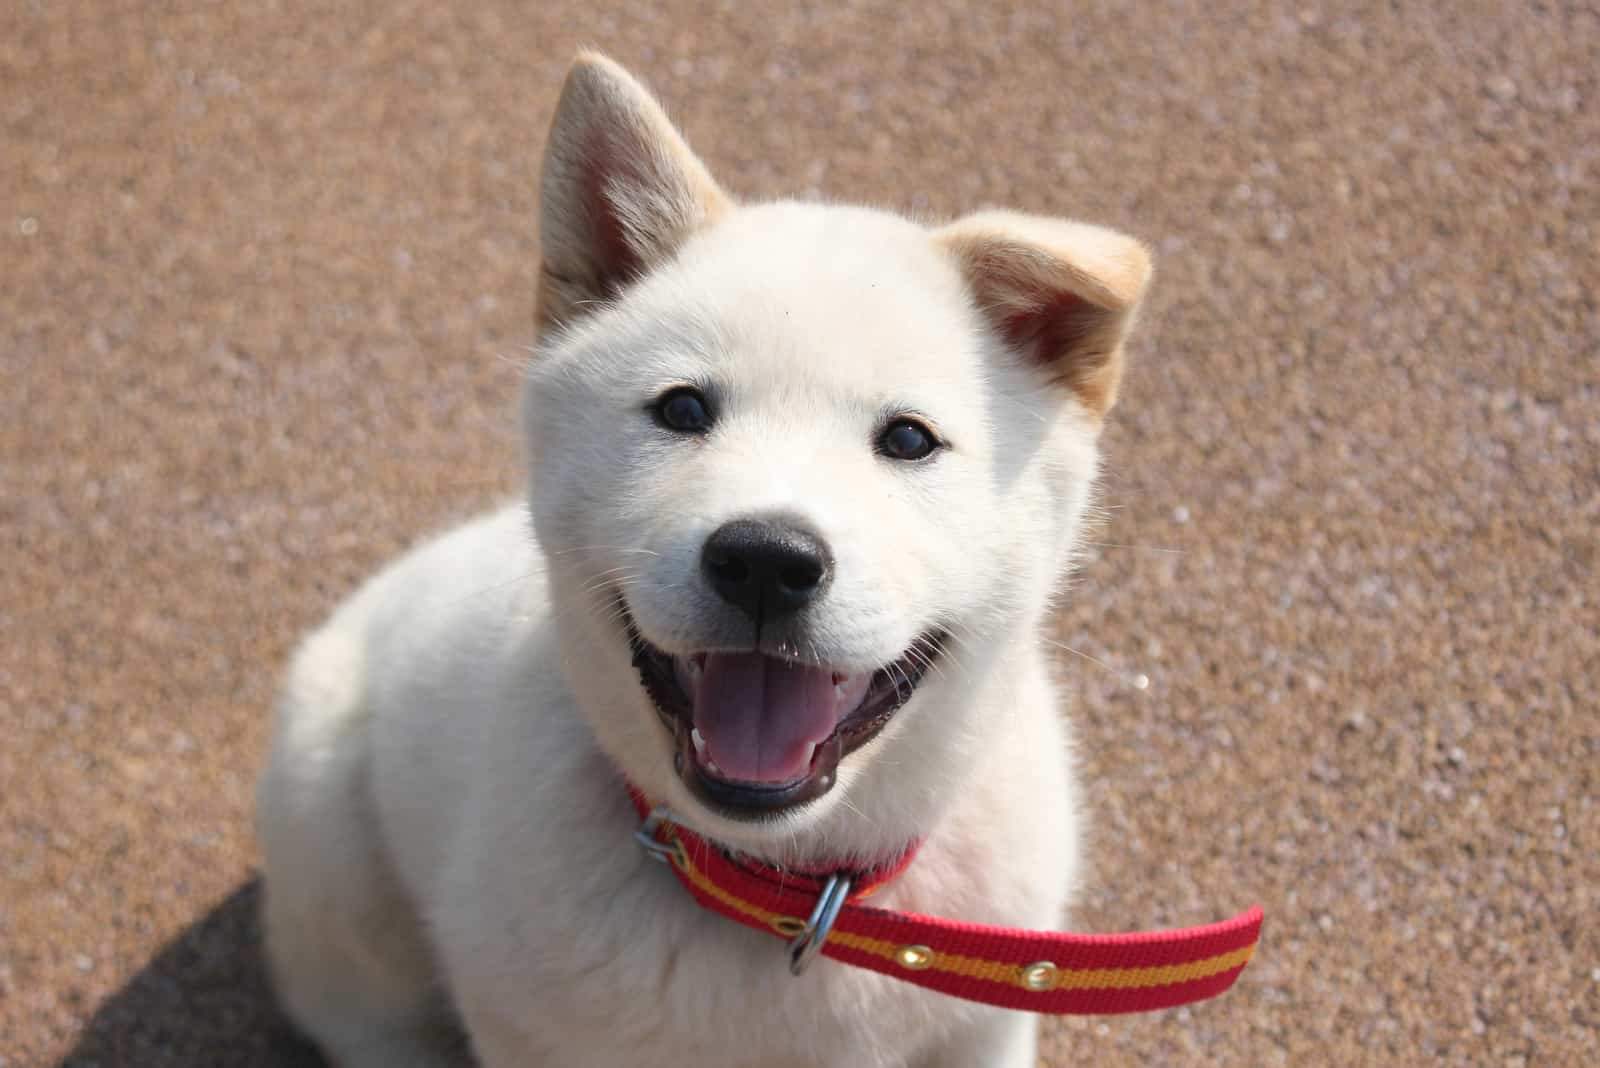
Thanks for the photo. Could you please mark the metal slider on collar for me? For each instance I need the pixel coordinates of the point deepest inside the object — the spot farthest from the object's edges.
(808, 943)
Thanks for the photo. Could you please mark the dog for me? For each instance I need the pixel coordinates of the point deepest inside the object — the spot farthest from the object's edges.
(804, 481)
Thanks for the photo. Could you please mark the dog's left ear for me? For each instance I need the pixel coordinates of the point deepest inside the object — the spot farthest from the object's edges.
(1061, 294)
(619, 194)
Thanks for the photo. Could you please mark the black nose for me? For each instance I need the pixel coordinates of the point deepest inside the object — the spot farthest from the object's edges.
(766, 568)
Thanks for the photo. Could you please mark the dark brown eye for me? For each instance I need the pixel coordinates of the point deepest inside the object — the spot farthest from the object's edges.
(907, 439)
(684, 410)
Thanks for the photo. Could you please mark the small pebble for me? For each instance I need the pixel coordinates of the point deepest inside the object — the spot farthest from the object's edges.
(1501, 88)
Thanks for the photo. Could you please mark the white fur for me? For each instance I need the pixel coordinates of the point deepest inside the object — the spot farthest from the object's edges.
(443, 816)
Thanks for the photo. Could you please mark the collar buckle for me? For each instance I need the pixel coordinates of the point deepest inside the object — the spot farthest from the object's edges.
(668, 852)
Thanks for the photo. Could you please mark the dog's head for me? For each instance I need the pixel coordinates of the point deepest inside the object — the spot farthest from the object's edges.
(806, 476)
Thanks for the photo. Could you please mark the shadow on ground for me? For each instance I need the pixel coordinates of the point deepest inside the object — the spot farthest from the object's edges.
(202, 1001)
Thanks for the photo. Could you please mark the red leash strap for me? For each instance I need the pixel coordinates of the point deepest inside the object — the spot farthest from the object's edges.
(1037, 971)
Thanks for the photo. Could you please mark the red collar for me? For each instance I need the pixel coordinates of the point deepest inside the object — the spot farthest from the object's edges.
(1038, 971)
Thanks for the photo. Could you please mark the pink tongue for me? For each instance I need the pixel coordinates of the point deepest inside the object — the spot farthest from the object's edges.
(761, 717)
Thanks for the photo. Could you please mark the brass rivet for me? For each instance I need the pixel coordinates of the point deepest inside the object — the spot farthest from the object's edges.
(914, 958)
(1040, 976)
(788, 926)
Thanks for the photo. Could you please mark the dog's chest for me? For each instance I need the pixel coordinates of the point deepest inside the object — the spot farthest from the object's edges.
(649, 977)
(624, 968)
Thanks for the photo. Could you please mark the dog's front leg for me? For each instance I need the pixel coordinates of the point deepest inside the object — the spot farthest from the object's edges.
(498, 1038)
(498, 1045)
(1000, 1040)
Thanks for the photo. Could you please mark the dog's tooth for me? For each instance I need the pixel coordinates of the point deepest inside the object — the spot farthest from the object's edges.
(699, 742)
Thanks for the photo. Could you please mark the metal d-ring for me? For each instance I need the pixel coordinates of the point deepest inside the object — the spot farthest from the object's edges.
(668, 852)
(808, 943)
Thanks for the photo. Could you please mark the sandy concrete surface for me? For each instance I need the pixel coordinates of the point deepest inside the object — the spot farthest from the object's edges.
(266, 276)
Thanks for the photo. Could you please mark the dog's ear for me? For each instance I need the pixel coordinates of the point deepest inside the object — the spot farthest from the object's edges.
(620, 190)
(1062, 294)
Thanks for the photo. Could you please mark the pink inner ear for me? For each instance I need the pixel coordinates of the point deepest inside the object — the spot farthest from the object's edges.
(616, 262)
(1054, 329)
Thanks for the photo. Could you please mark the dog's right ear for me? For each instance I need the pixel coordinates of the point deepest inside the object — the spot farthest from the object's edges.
(620, 191)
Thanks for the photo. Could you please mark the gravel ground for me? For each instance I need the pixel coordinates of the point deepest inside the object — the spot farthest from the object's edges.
(266, 276)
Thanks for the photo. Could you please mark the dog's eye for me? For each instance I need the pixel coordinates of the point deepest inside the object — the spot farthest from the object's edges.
(684, 410)
(907, 439)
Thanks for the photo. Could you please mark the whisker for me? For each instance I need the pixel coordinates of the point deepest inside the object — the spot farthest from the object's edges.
(598, 576)
(1141, 548)
(615, 577)
(926, 660)
(845, 801)
(497, 586)
(605, 548)
(1138, 682)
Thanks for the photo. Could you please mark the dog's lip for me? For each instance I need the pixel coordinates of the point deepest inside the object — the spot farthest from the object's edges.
(888, 689)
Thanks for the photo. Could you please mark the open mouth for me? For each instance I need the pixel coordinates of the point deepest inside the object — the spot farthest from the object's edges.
(758, 734)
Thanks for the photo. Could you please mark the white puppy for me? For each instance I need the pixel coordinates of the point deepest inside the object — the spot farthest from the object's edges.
(804, 481)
